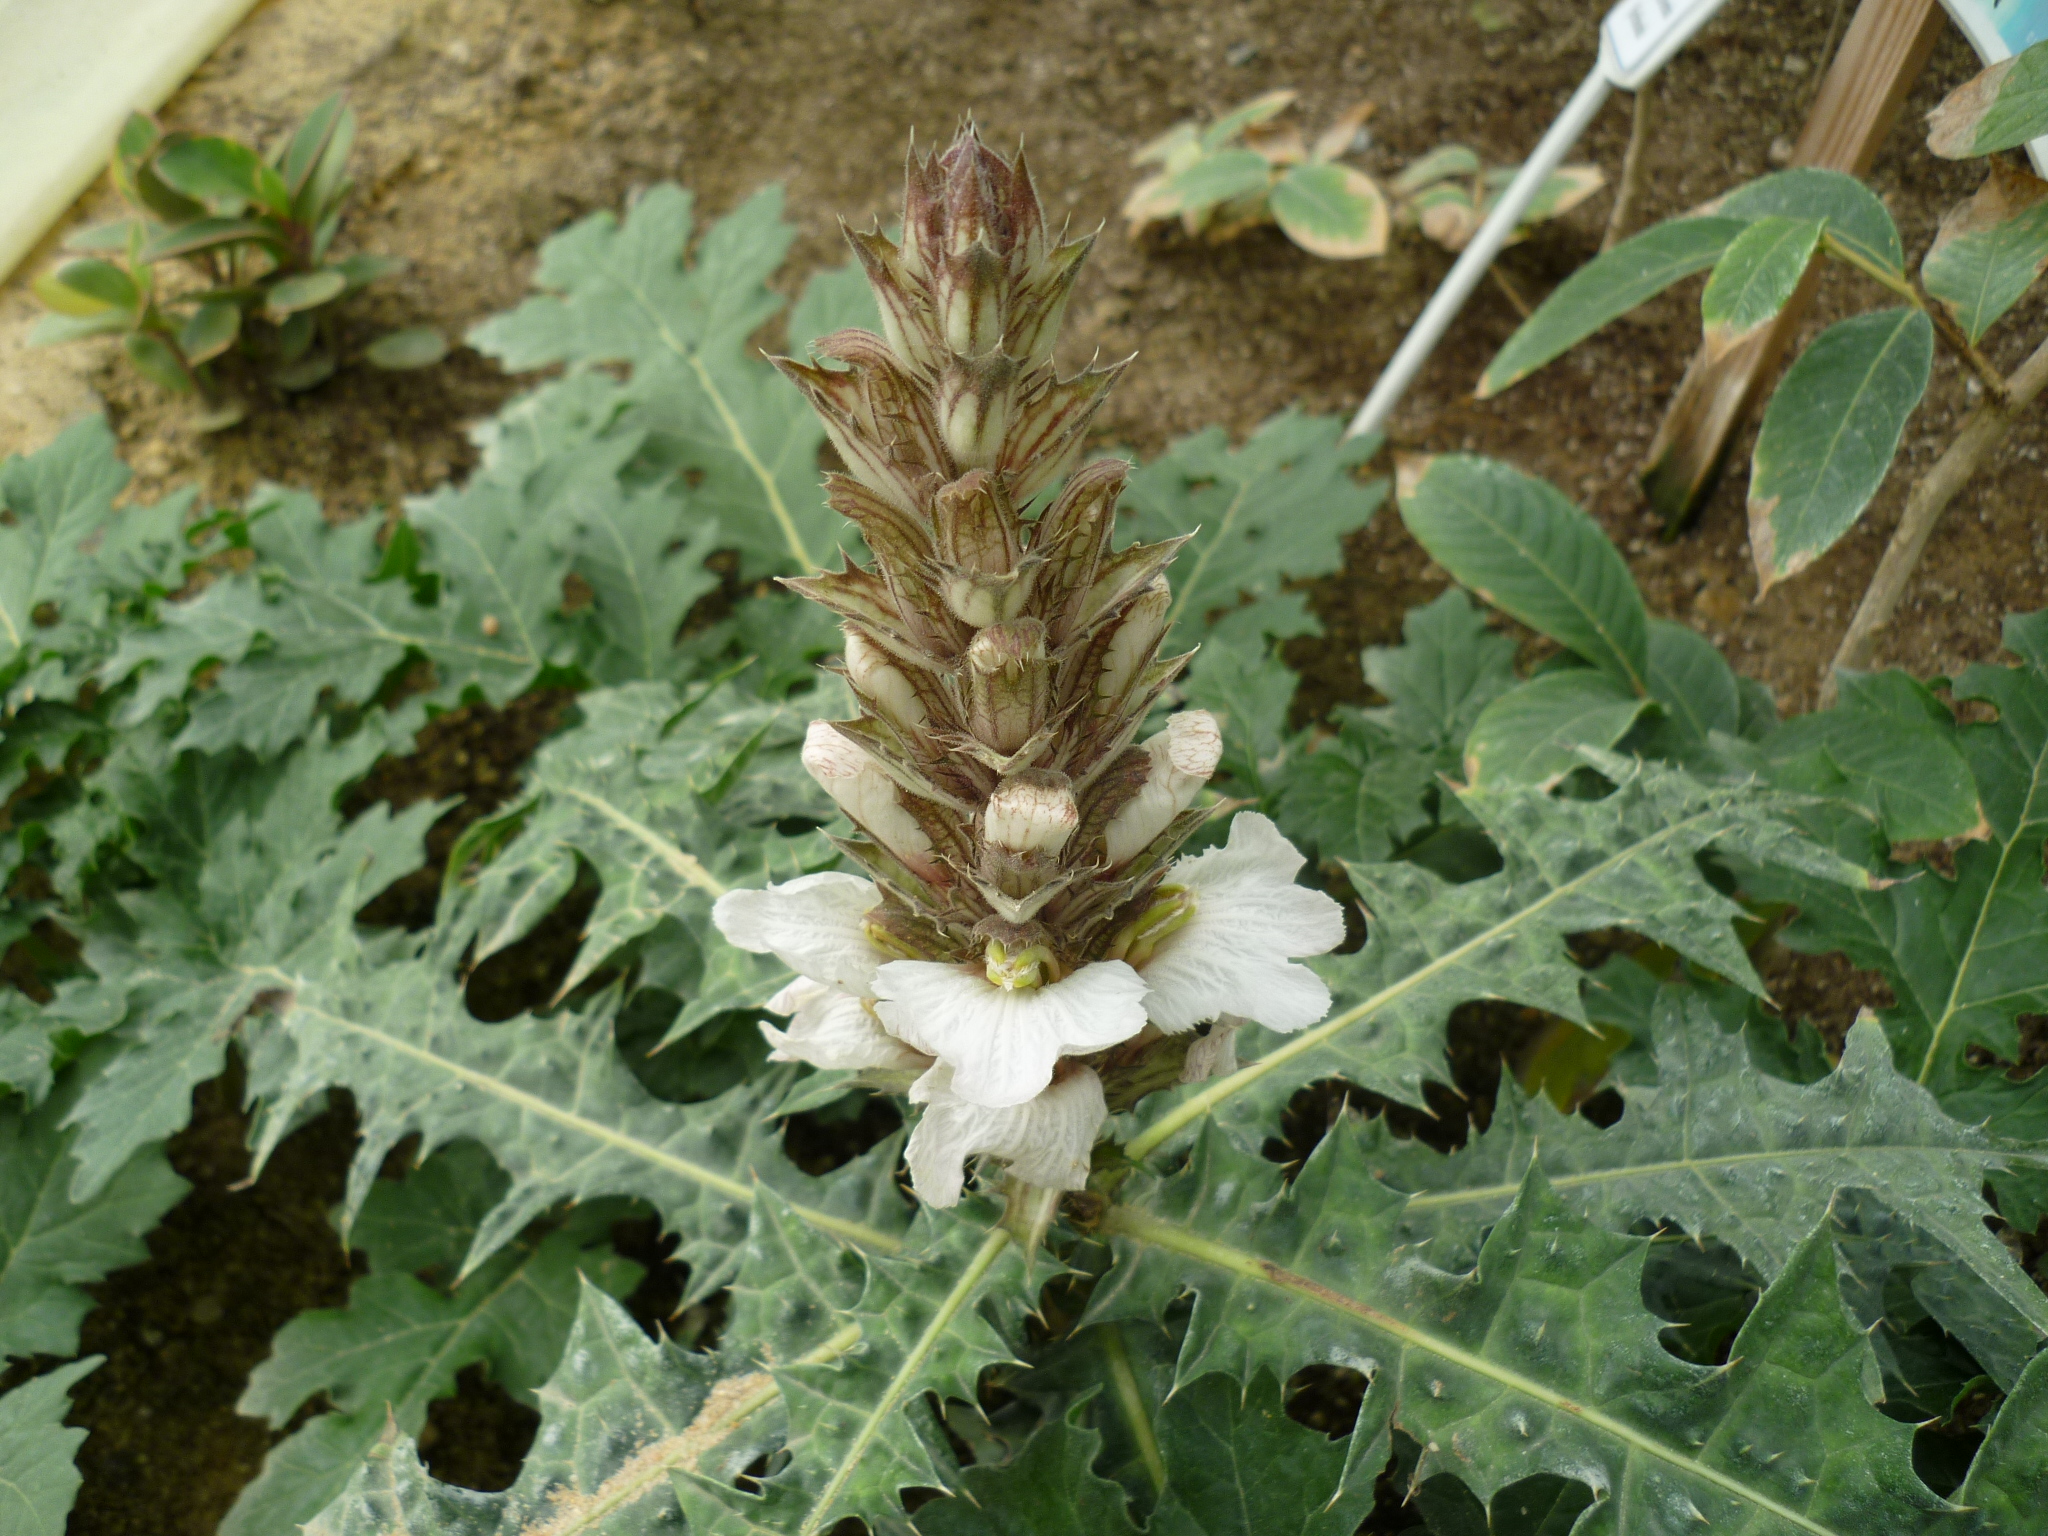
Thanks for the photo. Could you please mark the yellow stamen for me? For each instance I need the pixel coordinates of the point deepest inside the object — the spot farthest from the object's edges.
(1139, 939)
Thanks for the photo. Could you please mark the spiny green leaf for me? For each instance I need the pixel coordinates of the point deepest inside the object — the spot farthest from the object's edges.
(308, 622)
(1249, 690)
(400, 1343)
(1275, 508)
(1359, 795)
(642, 793)
(1520, 544)
(858, 1428)
(1629, 860)
(622, 291)
(1606, 288)
(1889, 746)
(1049, 1489)
(37, 1479)
(1542, 1359)
(550, 1097)
(2004, 106)
(2010, 1469)
(52, 1241)
(1447, 669)
(1829, 434)
(620, 1415)
(1963, 954)
(1897, 1278)
(1236, 1465)
(1990, 249)
(252, 865)
(57, 500)
(1727, 1151)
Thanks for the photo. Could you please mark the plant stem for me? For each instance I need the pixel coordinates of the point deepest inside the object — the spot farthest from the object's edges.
(1944, 323)
(1848, 255)
(1629, 188)
(1522, 306)
(1981, 433)
(1132, 1402)
(1945, 327)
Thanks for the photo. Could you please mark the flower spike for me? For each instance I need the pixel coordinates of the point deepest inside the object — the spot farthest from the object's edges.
(1026, 935)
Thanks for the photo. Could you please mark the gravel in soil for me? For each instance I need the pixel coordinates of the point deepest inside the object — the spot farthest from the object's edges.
(489, 123)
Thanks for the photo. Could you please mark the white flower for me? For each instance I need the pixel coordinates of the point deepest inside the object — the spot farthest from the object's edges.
(1181, 759)
(1046, 1140)
(844, 771)
(999, 1043)
(811, 924)
(1250, 920)
(835, 1030)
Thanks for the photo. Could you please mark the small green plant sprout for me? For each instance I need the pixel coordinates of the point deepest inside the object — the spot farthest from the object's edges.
(1244, 170)
(1832, 428)
(255, 232)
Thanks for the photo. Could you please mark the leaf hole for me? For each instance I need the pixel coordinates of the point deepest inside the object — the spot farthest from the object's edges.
(1326, 1398)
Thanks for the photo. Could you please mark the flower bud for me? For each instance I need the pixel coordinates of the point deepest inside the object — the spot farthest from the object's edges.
(970, 528)
(878, 680)
(984, 600)
(1008, 682)
(867, 795)
(1183, 756)
(970, 289)
(974, 408)
(1031, 812)
(1131, 646)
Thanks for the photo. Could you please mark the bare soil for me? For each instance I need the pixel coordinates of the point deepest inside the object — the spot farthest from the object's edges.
(487, 124)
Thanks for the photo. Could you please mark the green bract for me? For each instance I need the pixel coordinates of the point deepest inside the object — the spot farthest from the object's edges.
(1728, 1308)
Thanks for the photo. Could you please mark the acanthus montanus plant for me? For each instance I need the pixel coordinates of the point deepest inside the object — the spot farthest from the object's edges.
(1026, 943)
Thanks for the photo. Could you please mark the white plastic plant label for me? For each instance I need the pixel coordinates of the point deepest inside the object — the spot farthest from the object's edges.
(1639, 36)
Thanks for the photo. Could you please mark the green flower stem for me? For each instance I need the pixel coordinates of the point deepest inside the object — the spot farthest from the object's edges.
(1125, 1381)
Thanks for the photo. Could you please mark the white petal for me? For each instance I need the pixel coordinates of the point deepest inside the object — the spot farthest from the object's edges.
(1250, 920)
(1002, 1045)
(1046, 1140)
(811, 924)
(834, 1030)
(1182, 758)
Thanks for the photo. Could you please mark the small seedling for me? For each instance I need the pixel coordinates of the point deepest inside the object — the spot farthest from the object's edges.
(257, 232)
(1243, 170)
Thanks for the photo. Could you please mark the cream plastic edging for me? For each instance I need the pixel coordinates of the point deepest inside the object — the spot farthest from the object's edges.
(70, 73)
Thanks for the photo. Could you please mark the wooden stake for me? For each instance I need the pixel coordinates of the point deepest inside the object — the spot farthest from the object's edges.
(1858, 101)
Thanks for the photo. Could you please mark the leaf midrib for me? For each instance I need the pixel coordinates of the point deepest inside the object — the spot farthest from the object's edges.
(742, 445)
(1827, 459)
(1477, 1194)
(1992, 889)
(1150, 1230)
(1203, 1102)
(1508, 536)
(532, 1104)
